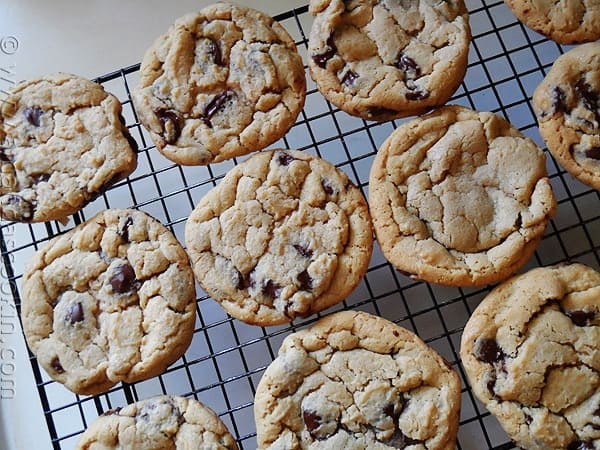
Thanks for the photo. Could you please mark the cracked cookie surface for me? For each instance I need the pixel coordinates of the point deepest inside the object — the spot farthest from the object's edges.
(285, 234)
(566, 22)
(159, 423)
(530, 351)
(220, 83)
(357, 381)
(385, 59)
(63, 142)
(567, 106)
(111, 300)
(459, 197)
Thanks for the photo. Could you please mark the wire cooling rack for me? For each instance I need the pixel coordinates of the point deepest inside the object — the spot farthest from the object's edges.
(227, 358)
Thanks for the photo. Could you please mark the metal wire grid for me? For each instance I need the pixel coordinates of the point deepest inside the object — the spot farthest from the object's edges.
(227, 358)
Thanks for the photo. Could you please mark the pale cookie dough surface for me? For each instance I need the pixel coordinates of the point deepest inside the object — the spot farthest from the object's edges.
(567, 105)
(285, 234)
(564, 21)
(111, 300)
(220, 83)
(385, 59)
(459, 197)
(159, 423)
(357, 381)
(530, 351)
(62, 144)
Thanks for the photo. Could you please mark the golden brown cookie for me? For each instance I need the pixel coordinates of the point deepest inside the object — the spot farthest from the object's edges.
(284, 235)
(531, 353)
(223, 82)
(459, 197)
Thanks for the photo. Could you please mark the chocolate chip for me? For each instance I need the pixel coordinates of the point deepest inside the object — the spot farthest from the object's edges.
(349, 78)
(400, 440)
(170, 122)
(322, 58)
(15, 207)
(124, 230)
(75, 313)
(487, 350)
(111, 412)
(123, 279)
(244, 282)
(32, 114)
(215, 52)
(581, 445)
(271, 289)
(417, 95)
(597, 412)
(312, 421)
(395, 333)
(378, 111)
(305, 280)
(56, 365)
(40, 178)
(3, 156)
(559, 100)
(214, 105)
(593, 153)
(285, 159)
(528, 419)
(408, 65)
(581, 318)
(327, 187)
(587, 94)
(491, 385)
(388, 410)
(306, 252)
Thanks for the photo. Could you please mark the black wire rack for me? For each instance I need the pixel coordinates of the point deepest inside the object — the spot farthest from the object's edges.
(226, 359)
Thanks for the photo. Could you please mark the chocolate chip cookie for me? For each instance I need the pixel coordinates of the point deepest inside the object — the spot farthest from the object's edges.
(459, 197)
(285, 234)
(63, 142)
(567, 105)
(354, 380)
(220, 83)
(165, 422)
(385, 59)
(111, 300)
(566, 22)
(531, 353)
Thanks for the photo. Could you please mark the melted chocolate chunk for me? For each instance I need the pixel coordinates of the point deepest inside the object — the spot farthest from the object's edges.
(327, 187)
(215, 52)
(16, 207)
(312, 421)
(244, 282)
(112, 412)
(33, 114)
(306, 252)
(487, 350)
(271, 289)
(285, 159)
(123, 279)
(400, 440)
(581, 445)
(124, 231)
(417, 95)
(350, 78)
(581, 318)
(597, 412)
(587, 95)
(593, 153)
(559, 100)
(322, 58)
(408, 65)
(305, 281)
(56, 365)
(388, 410)
(491, 385)
(40, 178)
(3, 156)
(378, 111)
(75, 313)
(170, 122)
(214, 106)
